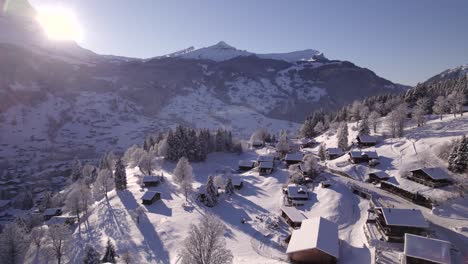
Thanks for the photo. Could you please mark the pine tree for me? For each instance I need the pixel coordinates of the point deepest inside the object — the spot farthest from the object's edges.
(211, 192)
(110, 254)
(76, 170)
(307, 129)
(364, 127)
(321, 152)
(343, 136)
(458, 158)
(229, 188)
(91, 256)
(120, 175)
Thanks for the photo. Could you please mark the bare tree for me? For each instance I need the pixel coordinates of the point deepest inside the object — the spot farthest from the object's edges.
(455, 101)
(78, 201)
(396, 120)
(146, 163)
(206, 244)
(283, 144)
(37, 235)
(183, 175)
(440, 106)
(13, 244)
(374, 120)
(58, 237)
(103, 184)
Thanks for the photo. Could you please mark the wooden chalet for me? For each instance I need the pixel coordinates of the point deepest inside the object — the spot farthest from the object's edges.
(296, 194)
(419, 249)
(360, 157)
(433, 177)
(307, 143)
(265, 158)
(316, 241)
(292, 216)
(50, 212)
(394, 223)
(151, 181)
(265, 168)
(378, 176)
(366, 140)
(246, 165)
(150, 197)
(293, 158)
(333, 153)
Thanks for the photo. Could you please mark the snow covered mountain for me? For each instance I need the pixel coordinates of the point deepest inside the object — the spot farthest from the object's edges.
(454, 73)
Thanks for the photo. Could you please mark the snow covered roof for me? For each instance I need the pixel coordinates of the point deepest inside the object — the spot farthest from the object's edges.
(315, 233)
(297, 191)
(295, 215)
(434, 250)
(246, 163)
(359, 154)
(381, 174)
(404, 217)
(435, 173)
(52, 211)
(294, 156)
(266, 165)
(367, 139)
(151, 179)
(262, 158)
(236, 181)
(149, 195)
(334, 151)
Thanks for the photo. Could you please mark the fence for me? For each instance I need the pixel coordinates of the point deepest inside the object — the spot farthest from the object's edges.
(413, 197)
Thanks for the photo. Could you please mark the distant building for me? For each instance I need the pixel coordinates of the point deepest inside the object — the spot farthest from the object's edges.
(378, 176)
(423, 250)
(246, 165)
(50, 212)
(265, 158)
(293, 158)
(307, 143)
(393, 223)
(433, 177)
(150, 197)
(265, 168)
(151, 181)
(360, 157)
(257, 144)
(292, 216)
(366, 140)
(237, 182)
(296, 194)
(333, 153)
(315, 242)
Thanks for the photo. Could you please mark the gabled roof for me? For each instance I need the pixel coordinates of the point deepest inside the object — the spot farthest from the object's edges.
(315, 233)
(334, 151)
(434, 173)
(380, 174)
(404, 217)
(359, 154)
(151, 179)
(437, 251)
(266, 165)
(295, 215)
(297, 191)
(149, 195)
(367, 139)
(262, 158)
(246, 163)
(294, 156)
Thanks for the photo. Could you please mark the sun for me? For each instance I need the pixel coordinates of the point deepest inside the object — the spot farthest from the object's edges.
(59, 23)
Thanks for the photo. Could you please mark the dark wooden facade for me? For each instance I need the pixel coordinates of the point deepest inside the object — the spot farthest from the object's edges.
(422, 177)
(311, 256)
(150, 197)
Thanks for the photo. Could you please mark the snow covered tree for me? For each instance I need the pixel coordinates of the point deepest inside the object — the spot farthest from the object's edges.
(374, 120)
(76, 170)
(109, 255)
(91, 256)
(455, 102)
(183, 175)
(419, 116)
(283, 144)
(321, 152)
(211, 192)
(396, 120)
(78, 200)
(120, 175)
(311, 166)
(37, 235)
(259, 135)
(107, 161)
(342, 136)
(133, 156)
(319, 127)
(58, 237)
(229, 187)
(206, 244)
(458, 158)
(363, 128)
(423, 104)
(146, 163)
(440, 106)
(103, 184)
(89, 174)
(13, 244)
(308, 128)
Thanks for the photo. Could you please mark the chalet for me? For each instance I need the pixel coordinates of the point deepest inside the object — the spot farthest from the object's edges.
(293, 158)
(257, 144)
(420, 249)
(4, 204)
(307, 143)
(359, 157)
(378, 176)
(296, 194)
(246, 165)
(50, 212)
(433, 177)
(150, 181)
(237, 182)
(333, 153)
(292, 216)
(265, 167)
(393, 223)
(315, 242)
(366, 140)
(150, 197)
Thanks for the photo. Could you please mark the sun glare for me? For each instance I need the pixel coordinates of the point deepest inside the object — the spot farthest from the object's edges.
(59, 23)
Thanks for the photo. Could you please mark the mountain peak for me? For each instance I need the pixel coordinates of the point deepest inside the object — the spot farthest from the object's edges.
(223, 44)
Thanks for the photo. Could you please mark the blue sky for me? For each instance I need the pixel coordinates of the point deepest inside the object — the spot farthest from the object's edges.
(405, 41)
